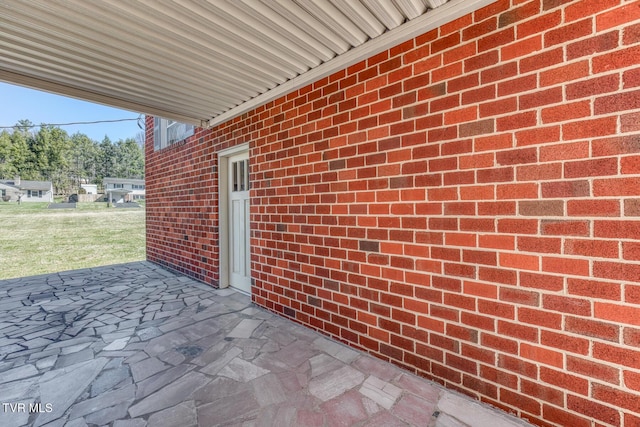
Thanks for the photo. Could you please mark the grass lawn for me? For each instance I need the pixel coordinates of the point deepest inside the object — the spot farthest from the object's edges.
(36, 240)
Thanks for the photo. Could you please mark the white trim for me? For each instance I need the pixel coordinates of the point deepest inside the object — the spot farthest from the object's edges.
(448, 12)
(223, 206)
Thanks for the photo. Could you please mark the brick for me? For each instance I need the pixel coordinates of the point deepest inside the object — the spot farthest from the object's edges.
(499, 343)
(570, 305)
(630, 165)
(547, 245)
(631, 337)
(502, 106)
(499, 72)
(610, 208)
(538, 25)
(568, 32)
(631, 251)
(518, 296)
(481, 94)
(541, 281)
(593, 369)
(563, 342)
(598, 411)
(616, 397)
(542, 60)
(541, 208)
(516, 121)
(517, 226)
(539, 317)
(539, 172)
(592, 328)
(617, 313)
(562, 417)
(617, 229)
(543, 392)
(579, 188)
(593, 86)
(618, 102)
(594, 289)
(491, 241)
(592, 248)
(564, 151)
(517, 191)
(496, 275)
(517, 85)
(520, 261)
(588, 8)
(476, 128)
(538, 135)
(514, 15)
(521, 48)
(631, 34)
(589, 128)
(479, 29)
(540, 98)
(518, 156)
(618, 16)
(541, 355)
(616, 187)
(596, 44)
(616, 60)
(577, 267)
(631, 78)
(566, 112)
(517, 365)
(479, 257)
(630, 122)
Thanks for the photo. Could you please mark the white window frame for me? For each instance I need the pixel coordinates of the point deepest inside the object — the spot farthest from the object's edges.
(167, 132)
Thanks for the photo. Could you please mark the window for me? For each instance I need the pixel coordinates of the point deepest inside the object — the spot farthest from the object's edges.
(118, 185)
(167, 132)
(137, 187)
(4, 193)
(34, 193)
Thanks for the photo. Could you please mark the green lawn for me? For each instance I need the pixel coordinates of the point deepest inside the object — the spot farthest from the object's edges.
(36, 240)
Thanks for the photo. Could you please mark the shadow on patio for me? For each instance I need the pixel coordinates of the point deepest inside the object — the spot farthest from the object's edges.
(136, 345)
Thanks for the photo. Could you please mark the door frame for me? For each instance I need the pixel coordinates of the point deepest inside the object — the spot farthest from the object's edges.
(223, 211)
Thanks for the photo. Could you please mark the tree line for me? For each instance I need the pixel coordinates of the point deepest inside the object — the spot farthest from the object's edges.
(48, 153)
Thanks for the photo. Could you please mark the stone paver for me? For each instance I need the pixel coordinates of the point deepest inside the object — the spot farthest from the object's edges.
(134, 345)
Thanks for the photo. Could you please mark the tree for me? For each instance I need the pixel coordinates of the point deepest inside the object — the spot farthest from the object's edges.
(130, 160)
(7, 170)
(83, 159)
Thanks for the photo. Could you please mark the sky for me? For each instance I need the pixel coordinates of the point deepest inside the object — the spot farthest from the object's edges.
(17, 102)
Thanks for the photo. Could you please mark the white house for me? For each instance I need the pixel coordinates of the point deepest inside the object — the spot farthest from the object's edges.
(120, 190)
(90, 188)
(26, 191)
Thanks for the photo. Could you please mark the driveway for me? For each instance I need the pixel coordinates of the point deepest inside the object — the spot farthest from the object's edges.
(137, 345)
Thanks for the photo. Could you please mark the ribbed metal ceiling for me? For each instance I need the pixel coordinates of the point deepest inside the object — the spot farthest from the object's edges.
(186, 60)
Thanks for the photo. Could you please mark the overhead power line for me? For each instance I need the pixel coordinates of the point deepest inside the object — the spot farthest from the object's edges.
(70, 124)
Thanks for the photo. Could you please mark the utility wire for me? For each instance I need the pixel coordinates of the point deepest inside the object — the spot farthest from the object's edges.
(70, 124)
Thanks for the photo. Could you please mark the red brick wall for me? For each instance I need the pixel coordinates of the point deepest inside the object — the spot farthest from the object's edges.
(464, 205)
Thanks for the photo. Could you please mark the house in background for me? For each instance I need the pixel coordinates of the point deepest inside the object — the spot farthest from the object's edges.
(90, 188)
(121, 190)
(26, 191)
(451, 186)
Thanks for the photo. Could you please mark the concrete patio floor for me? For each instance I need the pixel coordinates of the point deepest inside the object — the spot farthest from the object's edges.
(135, 345)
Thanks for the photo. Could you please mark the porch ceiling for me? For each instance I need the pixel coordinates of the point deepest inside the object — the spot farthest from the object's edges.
(200, 62)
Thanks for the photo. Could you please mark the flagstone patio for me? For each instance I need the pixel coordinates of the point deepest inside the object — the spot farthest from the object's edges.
(135, 345)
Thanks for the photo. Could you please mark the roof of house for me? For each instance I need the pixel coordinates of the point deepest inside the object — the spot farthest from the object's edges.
(123, 181)
(28, 185)
(202, 62)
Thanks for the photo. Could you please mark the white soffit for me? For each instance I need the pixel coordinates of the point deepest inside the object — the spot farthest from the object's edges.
(200, 62)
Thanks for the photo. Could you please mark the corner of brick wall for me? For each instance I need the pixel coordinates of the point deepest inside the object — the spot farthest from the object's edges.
(464, 205)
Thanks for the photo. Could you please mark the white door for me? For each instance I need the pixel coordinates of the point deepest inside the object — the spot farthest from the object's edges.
(239, 252)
